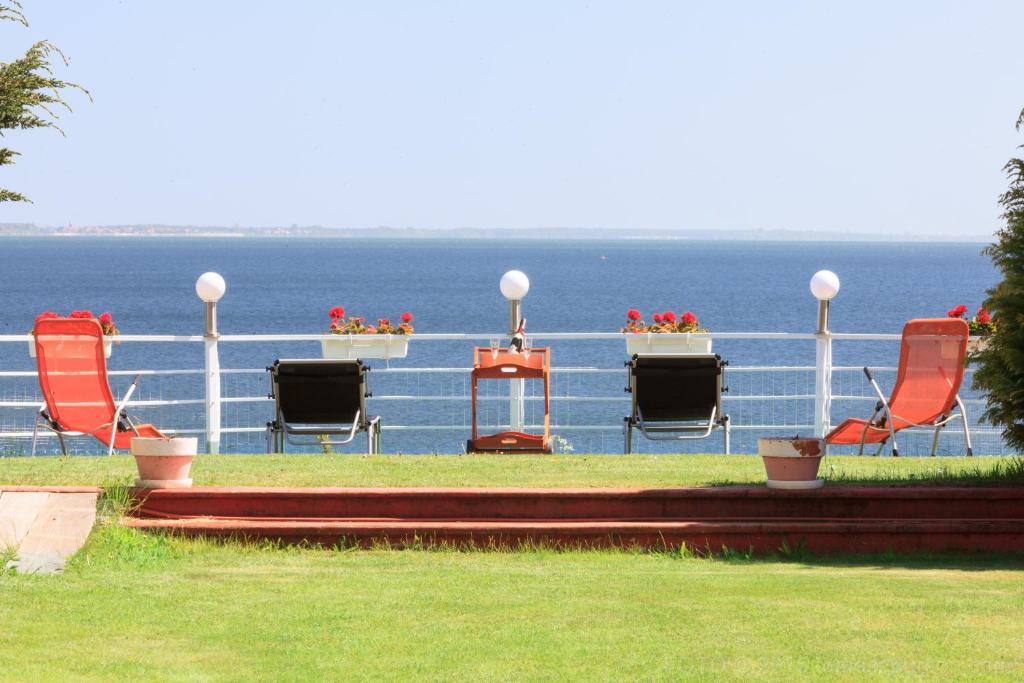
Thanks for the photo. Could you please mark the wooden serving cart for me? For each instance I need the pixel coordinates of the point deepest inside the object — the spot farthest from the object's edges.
(507, 365)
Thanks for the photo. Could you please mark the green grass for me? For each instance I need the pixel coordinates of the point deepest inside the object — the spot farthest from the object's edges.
(135, 606)
(493, 470)
(151, 607)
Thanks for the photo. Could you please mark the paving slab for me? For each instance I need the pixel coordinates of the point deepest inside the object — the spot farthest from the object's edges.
(58, 531)
(17, 513)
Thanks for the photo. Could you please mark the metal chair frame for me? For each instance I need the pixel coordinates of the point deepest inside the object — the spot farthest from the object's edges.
(664, 430)
(886, 422)
(44, 420)
(279, 431)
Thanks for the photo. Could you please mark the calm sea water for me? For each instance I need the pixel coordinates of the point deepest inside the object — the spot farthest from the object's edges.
(287, 285)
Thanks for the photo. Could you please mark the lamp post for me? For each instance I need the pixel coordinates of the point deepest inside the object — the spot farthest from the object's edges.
(210, 287)
(514, 285)
(824, 286)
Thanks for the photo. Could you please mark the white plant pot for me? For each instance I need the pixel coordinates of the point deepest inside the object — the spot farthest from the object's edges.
(667, 342)
(352, 346)
(164, 463)
(108, 347)
(792, 463)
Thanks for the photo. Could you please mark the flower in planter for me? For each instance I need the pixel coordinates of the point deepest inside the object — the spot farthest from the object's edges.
(108, 326)
(106, 320)
(634, 322)
(663, 323)
(356, 324)
(981, 325)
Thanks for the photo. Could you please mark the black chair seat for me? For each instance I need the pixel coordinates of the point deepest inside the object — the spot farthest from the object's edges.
(320, 398)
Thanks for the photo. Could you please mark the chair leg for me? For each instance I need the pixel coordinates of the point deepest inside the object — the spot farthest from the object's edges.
(35, 434)
(627, 430)
(967, 427)
(63, 446)
(378, 438)
(270, 437)
(369, 439)
(725, 434)
(935, 437)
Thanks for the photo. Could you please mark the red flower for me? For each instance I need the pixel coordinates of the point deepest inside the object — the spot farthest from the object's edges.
(407, 317)
(689, 318)
(106, 318)
(383, 322)
(81, 314)
(657, 317)
(983, 317)
(336, 313)
(633, 314)
(669, 317)
(961, 309)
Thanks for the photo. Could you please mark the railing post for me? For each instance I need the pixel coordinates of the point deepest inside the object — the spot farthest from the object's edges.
(211, 287)
(824, 286)
(822, 383)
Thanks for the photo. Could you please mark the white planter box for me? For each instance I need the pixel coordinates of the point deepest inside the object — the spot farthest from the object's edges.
(975, 344)
(108, 347)
(667, 342)
(352, 346)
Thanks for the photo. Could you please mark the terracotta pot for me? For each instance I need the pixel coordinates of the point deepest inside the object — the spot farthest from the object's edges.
(164, 463)
(792, 463)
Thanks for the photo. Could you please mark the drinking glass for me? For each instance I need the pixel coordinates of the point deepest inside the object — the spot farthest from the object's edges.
(495, 345)
(527, 347)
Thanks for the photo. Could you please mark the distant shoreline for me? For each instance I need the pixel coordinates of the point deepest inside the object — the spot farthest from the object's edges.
(534, 234)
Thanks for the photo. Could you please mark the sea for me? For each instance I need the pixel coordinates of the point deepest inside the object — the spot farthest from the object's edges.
(287, 285)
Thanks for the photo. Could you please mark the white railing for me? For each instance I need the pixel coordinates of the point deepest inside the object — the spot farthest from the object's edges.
(586, 400)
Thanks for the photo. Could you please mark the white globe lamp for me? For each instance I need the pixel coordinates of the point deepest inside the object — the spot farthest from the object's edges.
(514, 285)
(824, 285)
(210, 287)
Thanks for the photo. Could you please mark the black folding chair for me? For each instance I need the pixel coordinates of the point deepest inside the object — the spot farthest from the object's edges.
(320, 399)
(676, 397)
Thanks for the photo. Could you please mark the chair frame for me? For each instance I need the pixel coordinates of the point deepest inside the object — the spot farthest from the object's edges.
(44, 420)
(886, 422)
(280, 431)
(670, 431)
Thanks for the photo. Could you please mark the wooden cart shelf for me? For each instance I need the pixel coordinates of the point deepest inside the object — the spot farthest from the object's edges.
(504, 364)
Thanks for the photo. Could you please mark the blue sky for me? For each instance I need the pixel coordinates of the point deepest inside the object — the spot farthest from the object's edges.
(862, 116)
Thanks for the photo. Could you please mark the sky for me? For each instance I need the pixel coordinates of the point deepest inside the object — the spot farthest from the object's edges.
(863, 117)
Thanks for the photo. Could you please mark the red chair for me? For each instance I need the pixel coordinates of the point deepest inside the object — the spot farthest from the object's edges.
(928, 380)
(73, 379)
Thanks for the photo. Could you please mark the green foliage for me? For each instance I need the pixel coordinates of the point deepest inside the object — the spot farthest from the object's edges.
(1001, 365)
(31, 96)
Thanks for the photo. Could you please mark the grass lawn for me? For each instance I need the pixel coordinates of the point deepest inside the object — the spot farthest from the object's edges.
(151, 607)
(495, 470)
(132, 606)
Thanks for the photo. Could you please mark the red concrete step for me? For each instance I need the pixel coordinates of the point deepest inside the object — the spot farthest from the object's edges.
(735, 502)
(764, 535)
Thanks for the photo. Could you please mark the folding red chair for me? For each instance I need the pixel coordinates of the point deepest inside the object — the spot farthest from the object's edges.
(73, 379)
(928, 380)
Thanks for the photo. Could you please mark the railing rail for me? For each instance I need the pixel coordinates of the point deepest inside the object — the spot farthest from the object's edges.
(778, 397)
